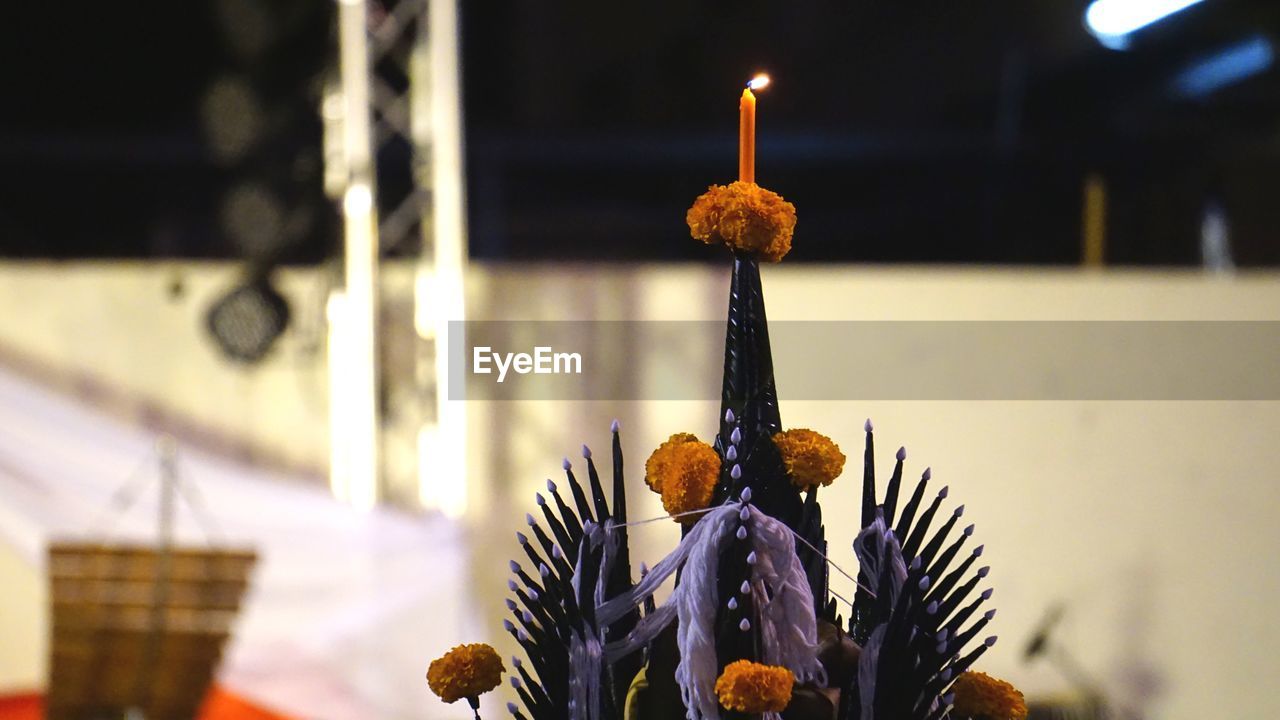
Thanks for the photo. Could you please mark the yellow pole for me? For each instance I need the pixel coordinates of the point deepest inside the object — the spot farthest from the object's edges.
(1094, 221)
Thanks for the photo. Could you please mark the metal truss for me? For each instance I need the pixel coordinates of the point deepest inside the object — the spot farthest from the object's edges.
(403, 189)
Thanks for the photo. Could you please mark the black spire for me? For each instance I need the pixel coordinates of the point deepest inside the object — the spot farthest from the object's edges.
(749, 402)
(748, 389)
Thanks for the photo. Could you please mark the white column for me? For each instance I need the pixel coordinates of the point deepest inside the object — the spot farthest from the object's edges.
(354, 342)
(439, 296)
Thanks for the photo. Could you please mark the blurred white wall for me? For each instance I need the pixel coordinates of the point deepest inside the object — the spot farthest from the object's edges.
(1151, 521)
(117, 334)
(23, 619)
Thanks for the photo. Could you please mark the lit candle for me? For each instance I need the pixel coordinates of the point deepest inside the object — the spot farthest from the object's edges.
(747, 129)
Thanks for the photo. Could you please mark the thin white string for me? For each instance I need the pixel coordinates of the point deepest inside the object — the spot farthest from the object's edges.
(832, 564)
(660, 518)
(838, 596)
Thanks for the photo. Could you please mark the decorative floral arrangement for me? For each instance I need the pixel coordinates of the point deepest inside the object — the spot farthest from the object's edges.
(750, 687)
(467, 671)
(745, 217)
(752, 628)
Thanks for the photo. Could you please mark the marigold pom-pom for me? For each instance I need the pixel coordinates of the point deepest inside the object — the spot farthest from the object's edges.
(746, 217)
(811, 458)
(684, 471)
(750, 687)
(979, 695)
(466, 671)
(658, 465)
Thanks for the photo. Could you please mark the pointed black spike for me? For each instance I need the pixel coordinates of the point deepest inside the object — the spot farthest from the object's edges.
(557, 528)
(572, 525)
(869, 478)
(549, 616)
(579, 496)
(952, 601)
(531, 628)
(944, 586)
(903, 528)
(619, 580)
(543, 540)
(939, 566)
(524, 697)
(963, 639)
(813, 533)
(533, 555)
(619, 487)
(891, 492)
(922, 526)
(538, 695)
(597, 491)
(930, 550)
(528, 581)
(967, 661)
(561, 569)
(932, 686)
(962, 616)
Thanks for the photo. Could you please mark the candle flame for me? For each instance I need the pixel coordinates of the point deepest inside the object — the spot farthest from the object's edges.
(759, 82)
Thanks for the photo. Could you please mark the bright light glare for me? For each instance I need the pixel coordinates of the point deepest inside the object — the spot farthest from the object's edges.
(1112, 20)
(1225, 68)
(358, 200)
(339, 371)
(759, 82)
(442, 480)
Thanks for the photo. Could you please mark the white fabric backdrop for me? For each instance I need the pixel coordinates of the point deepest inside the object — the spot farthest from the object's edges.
(346, 608)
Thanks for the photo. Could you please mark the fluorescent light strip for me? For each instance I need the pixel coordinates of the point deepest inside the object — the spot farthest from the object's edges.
(1111, 21)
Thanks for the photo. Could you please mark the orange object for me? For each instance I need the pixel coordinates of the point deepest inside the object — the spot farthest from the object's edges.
(218, 705)
(747, 137)
(746, 218)
(27, 706)
(222, 705)
(747, 129)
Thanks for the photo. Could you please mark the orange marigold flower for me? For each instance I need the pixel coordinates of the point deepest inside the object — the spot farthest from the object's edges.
(750, 687)
(466, 671)
(684, 471)
(746, 217)
(980, 695)
(812, 459)
(659, 463)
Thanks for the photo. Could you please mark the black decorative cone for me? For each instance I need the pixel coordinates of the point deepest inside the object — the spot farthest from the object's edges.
(748, 421)
(748, 390)
(750, 397)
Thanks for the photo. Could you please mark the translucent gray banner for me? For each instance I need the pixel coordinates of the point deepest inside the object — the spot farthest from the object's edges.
(635, 360)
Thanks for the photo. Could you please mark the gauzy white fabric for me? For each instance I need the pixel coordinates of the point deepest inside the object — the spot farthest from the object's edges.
(345, 609)
(784, 604)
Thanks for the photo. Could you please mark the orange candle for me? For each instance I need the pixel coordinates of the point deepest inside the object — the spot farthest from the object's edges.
(747, 129)
(747, 137)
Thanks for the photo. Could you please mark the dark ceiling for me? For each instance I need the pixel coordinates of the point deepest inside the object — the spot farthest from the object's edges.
(908, 131)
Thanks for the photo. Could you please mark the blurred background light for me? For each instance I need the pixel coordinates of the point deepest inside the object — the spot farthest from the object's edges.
(1225, 67)
(254, 219)
(1111, 21)
(232, 118)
